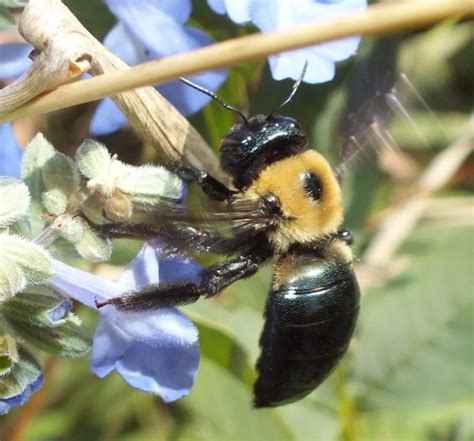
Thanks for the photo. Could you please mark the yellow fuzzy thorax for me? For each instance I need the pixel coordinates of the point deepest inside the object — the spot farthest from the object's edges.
(304, 219)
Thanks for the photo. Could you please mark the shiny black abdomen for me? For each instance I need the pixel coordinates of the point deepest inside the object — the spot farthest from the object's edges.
(309, 321)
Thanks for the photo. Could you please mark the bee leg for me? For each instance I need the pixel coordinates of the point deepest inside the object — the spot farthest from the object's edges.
(212, 280)
(211, 186)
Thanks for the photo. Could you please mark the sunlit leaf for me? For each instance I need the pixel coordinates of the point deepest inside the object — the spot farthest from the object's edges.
(415, 332)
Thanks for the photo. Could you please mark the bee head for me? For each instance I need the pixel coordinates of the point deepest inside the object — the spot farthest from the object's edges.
(259, 141)
(249, 147)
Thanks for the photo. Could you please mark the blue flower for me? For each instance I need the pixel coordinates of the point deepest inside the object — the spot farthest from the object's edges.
(17, 400)
(277, 15)
(148, 30)
(153, 350)
(10, 152)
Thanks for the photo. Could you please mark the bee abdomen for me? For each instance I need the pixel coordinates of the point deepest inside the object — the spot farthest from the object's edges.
(309, 324)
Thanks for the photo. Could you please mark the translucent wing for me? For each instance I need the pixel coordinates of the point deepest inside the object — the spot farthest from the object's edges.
(378, 96)
(221, 228)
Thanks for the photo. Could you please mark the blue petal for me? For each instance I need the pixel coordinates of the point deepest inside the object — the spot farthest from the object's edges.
(7, 403)
(107, 118)
(83, 286)
(143, 269)
(218, 6)
(60, 311)
(154, 350)
(290, 65)
(238, 11)
(136, 10)
(123, 44)
(166, 371)
(10, 152)
(158, 28)
(14, 60)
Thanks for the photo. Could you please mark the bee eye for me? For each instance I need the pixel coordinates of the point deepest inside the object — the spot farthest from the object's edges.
(312, 185)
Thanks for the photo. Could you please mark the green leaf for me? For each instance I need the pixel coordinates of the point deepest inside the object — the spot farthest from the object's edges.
(55, 201)
(146, 184)
(37, 153)
(93, 159)
(70, 227)
(12, 278)
(222, 408)
(60, 173)
(8, 354)
(93, 15)
(415, 332)
(243, 325)
(21, 262)
(31, 316)
(6, 19)
(24, 372)
(93, 247)
(14, 200)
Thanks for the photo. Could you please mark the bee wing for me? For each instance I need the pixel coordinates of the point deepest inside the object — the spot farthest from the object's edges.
(220, 228)
(378, 96)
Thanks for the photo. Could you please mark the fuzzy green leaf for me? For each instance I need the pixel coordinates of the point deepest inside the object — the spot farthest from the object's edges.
(22, 262)
(93, 159)
(60, 173)
(93, 247)
(40, 317)
(38, 152)
(70, 227)
(55, 201)
(24, 372)
(8, 354)
(14, 200)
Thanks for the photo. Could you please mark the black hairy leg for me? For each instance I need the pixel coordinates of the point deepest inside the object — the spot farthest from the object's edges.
(211, 186)
(212, 280)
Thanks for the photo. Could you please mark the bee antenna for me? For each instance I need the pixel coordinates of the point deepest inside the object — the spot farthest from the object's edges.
(214, 97)
(293, 91)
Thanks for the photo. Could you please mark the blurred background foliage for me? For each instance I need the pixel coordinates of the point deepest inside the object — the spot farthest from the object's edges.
(409, 372)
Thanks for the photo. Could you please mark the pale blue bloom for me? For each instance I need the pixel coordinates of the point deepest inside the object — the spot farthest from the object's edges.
(154, 350)
(277, 15)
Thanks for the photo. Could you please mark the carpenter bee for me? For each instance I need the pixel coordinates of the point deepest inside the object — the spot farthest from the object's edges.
(285, 208)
